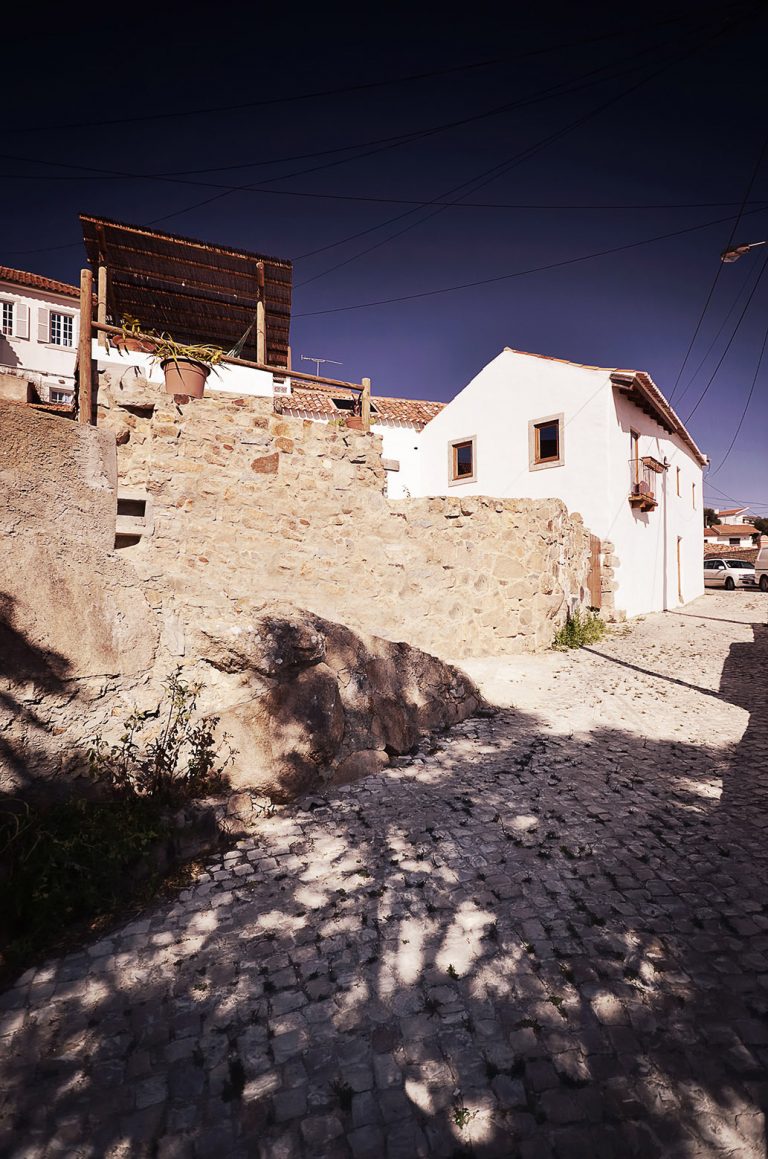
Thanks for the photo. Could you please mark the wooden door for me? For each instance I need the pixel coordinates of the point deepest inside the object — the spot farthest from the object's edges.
(595, 583)
(679, 571)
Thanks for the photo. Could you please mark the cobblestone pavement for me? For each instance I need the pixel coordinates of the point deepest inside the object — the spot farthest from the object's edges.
(548, 937)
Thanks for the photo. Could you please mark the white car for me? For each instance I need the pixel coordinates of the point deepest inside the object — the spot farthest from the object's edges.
(729, 574)
(761, 565)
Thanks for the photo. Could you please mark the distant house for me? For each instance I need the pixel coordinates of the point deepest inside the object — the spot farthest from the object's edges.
(605, 441)
(732, 514)
(38, 335)
(734, 534)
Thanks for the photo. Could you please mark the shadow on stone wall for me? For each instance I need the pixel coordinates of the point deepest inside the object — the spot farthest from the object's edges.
(28, 673)
(564, 939)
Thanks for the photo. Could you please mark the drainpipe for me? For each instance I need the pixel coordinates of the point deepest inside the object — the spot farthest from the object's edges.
(665, 596)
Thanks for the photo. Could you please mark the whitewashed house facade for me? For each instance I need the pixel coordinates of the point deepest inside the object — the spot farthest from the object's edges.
(39, 320)
(605, 441)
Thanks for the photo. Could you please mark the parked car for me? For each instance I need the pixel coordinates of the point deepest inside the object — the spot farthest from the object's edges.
(761, 564)
(729, 574)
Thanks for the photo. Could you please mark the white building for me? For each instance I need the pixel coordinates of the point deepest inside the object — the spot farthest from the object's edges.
(733, 533)
(39, 320)
(733, 515)
(605, 441)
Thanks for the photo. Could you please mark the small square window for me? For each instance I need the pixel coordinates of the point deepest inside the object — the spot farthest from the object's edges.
(462, 465)
(545, 442)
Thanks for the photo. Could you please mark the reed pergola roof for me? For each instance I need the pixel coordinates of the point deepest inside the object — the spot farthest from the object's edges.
(193, 290)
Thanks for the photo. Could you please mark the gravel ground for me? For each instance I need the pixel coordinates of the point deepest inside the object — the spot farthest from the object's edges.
(548, 937)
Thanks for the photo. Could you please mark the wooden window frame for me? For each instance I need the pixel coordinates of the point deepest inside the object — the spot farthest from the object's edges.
(534, 462)
(7, 329)
(455, 480)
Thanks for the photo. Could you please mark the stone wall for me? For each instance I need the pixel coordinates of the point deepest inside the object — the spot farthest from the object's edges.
(250, 506)
(54, 471)
(77, 636)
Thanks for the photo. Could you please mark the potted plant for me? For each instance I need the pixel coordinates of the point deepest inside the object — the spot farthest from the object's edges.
(186, 367)
(130, 338)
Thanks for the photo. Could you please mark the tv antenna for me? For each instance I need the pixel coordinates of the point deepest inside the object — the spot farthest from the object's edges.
(318, 361)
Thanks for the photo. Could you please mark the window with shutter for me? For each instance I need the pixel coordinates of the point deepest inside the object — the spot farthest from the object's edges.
(43, 324)
(6, 317)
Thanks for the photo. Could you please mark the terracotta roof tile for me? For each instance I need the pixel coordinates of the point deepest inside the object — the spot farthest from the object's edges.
(303, 401)
(38, 282)
(741, 529)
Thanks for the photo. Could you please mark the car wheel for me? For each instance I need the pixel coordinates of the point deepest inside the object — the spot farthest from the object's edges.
(764, 583)
(729, 584)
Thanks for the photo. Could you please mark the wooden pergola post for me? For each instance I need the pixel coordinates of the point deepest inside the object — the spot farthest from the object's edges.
(101, 304)
(261, 318)
(84, 362)
(365, 408)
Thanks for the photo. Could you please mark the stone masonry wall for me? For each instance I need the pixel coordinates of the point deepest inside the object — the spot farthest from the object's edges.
(250, 506)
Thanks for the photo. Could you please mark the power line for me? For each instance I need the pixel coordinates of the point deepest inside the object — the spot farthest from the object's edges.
(515, 273)
(388, 143)
(317, 94)
(732, 499)
(746, 405)
(496, 171)
(736, 302)
(729, 342)
(718, 271)
(391, 141)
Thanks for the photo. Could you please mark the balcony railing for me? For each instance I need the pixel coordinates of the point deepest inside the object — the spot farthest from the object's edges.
(642, 485)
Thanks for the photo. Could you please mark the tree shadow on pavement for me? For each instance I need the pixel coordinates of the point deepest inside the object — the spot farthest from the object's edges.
(528, 945)
(524, 943)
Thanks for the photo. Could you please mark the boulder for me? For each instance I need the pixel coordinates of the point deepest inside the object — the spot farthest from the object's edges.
(320, 704)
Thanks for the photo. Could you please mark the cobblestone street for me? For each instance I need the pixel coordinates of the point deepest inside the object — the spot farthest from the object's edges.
(548, 937)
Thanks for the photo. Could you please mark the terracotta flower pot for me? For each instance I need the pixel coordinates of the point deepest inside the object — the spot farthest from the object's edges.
(185, 376)
(354, 422)
(135, 344)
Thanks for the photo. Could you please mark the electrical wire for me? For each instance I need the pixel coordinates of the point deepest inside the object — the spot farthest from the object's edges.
(755, 271)
(615, 68)
(735, 331)
(316, 94)
(746, 406)
(561, 89)
(732, 499)
(498, 170)
(718, 271)
(515, 273)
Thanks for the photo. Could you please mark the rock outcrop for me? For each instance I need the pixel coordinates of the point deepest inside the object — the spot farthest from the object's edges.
(317, 704)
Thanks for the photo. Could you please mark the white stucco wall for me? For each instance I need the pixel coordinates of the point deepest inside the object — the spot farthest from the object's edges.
(400, 444)
(30, 353)
(241, 380)
(516, 389)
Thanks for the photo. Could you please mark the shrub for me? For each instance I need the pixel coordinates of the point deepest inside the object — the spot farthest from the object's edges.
(579, 629)
(179, 761)
(66, 865)
(68, 862)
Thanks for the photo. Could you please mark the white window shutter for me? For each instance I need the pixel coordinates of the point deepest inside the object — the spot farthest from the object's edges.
(43, 325)
(21, 320)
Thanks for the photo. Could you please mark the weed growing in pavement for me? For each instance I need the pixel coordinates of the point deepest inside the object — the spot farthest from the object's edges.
(580, 629)
(461, 1115)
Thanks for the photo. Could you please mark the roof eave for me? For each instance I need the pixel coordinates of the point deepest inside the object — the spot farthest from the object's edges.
(643, 384)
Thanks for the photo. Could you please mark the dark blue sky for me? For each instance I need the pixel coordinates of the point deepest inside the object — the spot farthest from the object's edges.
(581, 129)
